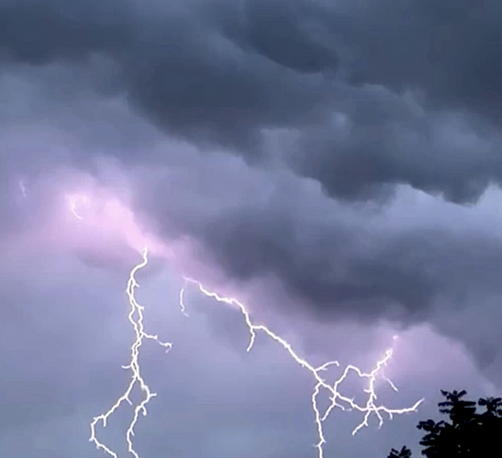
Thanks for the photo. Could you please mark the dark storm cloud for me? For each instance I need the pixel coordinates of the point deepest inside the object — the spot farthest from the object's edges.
(378, 140)
(401, 263)
(41, 33)
(348, 271)
(217, 73)
(286, 32)
(359, 96)
(451, 50)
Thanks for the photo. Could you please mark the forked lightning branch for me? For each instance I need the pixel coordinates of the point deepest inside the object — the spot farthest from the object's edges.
(337, 399)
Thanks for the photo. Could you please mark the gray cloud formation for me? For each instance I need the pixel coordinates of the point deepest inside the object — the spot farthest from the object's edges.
(355, 96)
(219, 73)
(416, 259)
(327, 109)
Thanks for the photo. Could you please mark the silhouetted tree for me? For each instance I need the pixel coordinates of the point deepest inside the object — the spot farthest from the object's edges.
(490, 421)
(493, 407)
(460, 411)
(467, 434)
(404, 453)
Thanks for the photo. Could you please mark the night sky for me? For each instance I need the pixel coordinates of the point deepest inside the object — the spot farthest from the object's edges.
(335, 165)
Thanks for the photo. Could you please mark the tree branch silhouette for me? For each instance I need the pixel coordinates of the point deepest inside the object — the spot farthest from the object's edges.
(467, 433)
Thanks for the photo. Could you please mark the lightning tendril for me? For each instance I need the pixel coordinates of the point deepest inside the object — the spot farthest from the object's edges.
(337, 399)
(136, 318)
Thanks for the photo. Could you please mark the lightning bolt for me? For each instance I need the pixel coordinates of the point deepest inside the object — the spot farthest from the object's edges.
(73, 200)
(136, 318)
(22, 187)
(337, 399)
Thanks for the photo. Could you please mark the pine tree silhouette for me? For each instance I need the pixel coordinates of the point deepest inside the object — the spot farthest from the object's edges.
(466, 434)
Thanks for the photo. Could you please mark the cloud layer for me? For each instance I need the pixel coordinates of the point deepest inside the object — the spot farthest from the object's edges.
(341, 158)
(374, 94)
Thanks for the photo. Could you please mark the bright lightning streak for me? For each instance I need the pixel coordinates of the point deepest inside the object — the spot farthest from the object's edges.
(73, 200)
(337, 399)
(136, 318)
(182, 299)
(22, 187)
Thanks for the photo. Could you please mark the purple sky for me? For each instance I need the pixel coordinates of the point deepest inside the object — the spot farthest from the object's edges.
(335, 165)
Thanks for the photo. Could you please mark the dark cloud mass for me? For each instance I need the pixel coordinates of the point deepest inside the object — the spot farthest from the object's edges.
(341, 261)
(337, 162)
(287, 33)
(218, 73)
(450, 50)
(358, 96)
